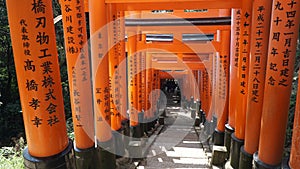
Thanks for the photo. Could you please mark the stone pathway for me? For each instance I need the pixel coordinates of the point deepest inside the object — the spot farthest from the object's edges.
(177, 146)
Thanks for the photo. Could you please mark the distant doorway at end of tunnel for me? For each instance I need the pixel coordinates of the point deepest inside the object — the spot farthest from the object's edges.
(171, 89)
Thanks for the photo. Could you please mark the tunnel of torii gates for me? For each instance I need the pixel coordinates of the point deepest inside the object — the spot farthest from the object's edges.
(236, 57)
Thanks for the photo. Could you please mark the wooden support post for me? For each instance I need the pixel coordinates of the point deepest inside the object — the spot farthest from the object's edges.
(153, 99)
(210, 87)
(205, 91)
(101, 91)
(116, 47)
(113, 68)
(36, 62)
(279, 75)
(148, 113)
(233, 81)
(78, 63)
(133, 97)
(143, 89)
(223, 71)
(243, 70)
(294, 157)
(139, 90)
(257, 70)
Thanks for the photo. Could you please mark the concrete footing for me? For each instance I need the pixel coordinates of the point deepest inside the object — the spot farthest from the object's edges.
(219, 155)
(236, 145)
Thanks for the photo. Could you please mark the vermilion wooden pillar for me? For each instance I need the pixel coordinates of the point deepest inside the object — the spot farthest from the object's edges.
(78, 63)
(279, 74)
(117, 47)
(233, 80)
(257, 66)
(148, 113)
(36, 61)
(113, 67)
(101, 89)
(223, 71)
(132, 81)
(295, 151)
(243, 70)
(210, 87)
(122, 67)
(154, 96)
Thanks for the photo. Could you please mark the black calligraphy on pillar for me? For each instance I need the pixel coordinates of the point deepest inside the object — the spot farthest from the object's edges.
(285, 14)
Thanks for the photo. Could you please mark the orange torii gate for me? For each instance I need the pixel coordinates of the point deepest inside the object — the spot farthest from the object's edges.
(176, 46)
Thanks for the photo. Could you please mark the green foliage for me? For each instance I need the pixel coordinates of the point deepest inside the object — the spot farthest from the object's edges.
(11, 157)
(10, 108)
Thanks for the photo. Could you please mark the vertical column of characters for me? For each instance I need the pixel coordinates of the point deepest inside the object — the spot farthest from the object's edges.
(279, 74)
(215, 84)
(122, 65)
(257, 70)
(234, 57)
(243, 73)
(144, 81)
(114, 73)
(139, 80)
(78, 72)
(243, 61)
(36, 60)
(149, 104)
(210, 86)
(205, 92)
(223, 83)
(131, 79)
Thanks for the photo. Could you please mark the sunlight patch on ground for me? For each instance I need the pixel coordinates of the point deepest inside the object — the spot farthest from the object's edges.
(185, 152)
(190, 161)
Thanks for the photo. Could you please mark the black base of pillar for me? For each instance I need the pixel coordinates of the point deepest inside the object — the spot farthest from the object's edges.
(85, 158)
(119, 143)
(151, 124)
(218, 138)
(126, 132)
(202, 117)
(105, 158)
(246, 159)
(193, 113)
(236, 145)
(135, 131)
(227, 138)
(63, 160)
(258, 164)
(141, 123)
(161, 120)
